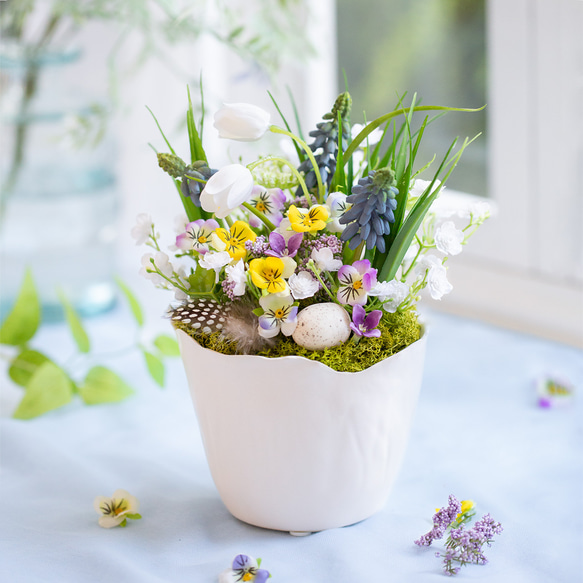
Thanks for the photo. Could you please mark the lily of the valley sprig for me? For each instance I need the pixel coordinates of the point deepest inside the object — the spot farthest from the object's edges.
(352, 224)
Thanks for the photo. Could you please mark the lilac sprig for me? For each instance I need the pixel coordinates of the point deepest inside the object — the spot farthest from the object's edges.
(441, 521)
(465, 546)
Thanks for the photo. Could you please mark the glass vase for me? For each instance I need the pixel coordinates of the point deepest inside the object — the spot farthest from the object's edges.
(59, 205)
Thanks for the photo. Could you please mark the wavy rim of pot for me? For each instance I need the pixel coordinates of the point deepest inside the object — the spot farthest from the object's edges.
(314, 363)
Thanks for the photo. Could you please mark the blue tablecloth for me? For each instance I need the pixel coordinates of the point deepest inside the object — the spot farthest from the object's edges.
(478, 434)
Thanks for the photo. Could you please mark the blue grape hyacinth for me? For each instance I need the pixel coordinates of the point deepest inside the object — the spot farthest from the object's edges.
(373, 202)
(325, 144)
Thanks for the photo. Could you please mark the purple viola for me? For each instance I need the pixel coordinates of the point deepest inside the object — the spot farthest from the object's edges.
(244, 568)
(355, 281)
(363, 325)
(278, 245)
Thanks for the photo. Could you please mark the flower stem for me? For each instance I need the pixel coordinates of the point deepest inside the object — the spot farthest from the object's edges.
(311, 265)
(260, 216)
(291, 167)
(310, 154)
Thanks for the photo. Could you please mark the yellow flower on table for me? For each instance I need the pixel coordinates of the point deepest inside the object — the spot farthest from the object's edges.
(308, 220)
(269, 273)
(233, 241)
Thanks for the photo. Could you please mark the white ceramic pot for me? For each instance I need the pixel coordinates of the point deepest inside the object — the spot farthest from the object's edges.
(293, 445)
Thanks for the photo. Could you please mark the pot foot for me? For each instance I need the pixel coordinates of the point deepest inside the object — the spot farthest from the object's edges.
(300, 533)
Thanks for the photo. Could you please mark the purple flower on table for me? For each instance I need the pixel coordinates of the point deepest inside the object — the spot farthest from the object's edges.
(355, 281)
(363, 325)
(244, 568)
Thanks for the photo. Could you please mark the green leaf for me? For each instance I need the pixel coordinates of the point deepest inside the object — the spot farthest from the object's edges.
(49, 388)
(132, 301)
(202, 280)
(196, 150)
(167, 345)
(388, 116)
(134, 516)
(24, 319)
(75, 325)
(25, 365)
(102, 385)
(155, 367)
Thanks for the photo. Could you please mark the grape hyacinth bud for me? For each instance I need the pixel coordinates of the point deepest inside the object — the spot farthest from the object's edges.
(171, 164)
(326, 143)
(191, 187)
(370, 217)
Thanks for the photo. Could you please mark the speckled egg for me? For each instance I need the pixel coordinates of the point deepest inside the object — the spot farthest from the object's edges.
(322, 326)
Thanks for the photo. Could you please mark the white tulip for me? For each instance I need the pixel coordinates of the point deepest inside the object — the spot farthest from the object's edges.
(226, 190)
(242, 122)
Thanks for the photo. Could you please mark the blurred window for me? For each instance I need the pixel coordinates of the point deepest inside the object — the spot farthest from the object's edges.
(436, 48)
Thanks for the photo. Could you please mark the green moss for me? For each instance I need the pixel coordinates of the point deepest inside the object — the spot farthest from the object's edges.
(397, 332)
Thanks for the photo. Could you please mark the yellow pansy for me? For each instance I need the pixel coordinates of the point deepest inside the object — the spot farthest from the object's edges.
(233, 241)
(304, 220)
(267, 273)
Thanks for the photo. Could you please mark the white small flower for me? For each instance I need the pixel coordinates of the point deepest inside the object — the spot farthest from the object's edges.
(324, 259)
(303, 285)
(237, 275)
(226, 190)
(480, 210)
(162, 262)
(180, 223)
(436, 276)
(182, 278)
(243, 122)
(143, 229)
(214, 260)
(390, 293)
(116, 510)
(373, 137)
(420, 186)
(449, 239)
(337, 205)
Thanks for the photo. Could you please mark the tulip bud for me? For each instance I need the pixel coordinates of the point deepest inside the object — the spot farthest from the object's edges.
(229, 188)
(242, 122)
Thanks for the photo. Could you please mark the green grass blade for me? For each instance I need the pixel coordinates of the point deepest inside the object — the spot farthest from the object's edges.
(161, 132)
(196, 150)
(300, 152)
(388, 116)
